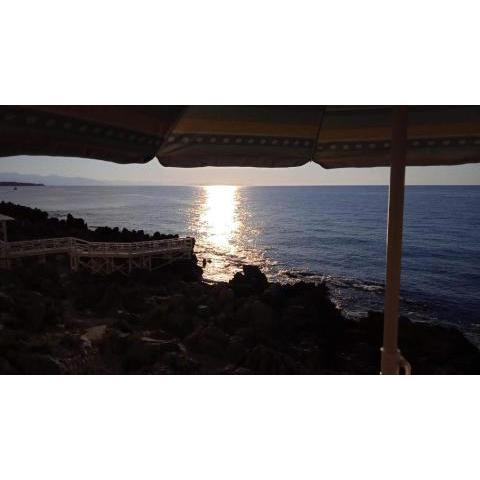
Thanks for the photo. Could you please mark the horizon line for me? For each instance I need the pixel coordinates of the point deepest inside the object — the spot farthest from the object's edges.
(106, 184)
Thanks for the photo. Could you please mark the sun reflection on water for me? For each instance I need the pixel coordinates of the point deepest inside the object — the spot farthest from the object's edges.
(219, 216)
(225, 232)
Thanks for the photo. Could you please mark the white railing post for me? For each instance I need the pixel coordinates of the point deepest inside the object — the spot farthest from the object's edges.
(76, 247)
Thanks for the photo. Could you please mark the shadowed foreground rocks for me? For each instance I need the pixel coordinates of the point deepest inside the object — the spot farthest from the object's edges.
(53, 321)
(33, 223)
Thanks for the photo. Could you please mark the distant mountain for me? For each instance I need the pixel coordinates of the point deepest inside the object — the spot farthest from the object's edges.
(49, 180)
(20, 184)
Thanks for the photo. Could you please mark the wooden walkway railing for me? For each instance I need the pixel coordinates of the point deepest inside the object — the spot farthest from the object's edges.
(102, 257)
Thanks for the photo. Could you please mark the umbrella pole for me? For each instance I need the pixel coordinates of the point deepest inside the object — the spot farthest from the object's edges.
(392, 360)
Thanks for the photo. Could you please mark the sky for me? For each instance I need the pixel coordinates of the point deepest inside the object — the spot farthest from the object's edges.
(154, 173)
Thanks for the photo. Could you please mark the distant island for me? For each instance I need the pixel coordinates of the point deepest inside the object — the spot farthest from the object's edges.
(21, 184)
(47, 180)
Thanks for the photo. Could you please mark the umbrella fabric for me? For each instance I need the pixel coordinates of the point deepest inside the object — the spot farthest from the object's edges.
(120, 134)
(254, 136)
(247, 136)
(361, 136)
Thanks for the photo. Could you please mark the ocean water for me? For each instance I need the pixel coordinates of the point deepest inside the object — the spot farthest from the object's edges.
(336, 233)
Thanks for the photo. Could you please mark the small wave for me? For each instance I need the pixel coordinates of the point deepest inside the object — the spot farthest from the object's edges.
(368, 288)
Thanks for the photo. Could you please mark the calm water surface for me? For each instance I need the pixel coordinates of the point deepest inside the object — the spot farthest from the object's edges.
(337, 233)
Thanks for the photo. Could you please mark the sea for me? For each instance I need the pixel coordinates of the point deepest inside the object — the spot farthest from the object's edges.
(331, 233)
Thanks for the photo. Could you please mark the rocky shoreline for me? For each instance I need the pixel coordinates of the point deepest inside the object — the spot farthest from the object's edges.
(171, 322)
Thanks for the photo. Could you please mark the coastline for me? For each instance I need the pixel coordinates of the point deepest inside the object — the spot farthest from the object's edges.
(171, 321)
(339, 236)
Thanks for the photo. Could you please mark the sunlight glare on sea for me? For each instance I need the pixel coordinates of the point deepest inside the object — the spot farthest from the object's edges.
(217, 228)
(219, 221)
(223, 230)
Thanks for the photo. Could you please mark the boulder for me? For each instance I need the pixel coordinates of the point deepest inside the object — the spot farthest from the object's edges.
(116, 343)
(146, 351)
(157, 313)
(203, 311)
(123, 324)
(180, 362)
(266, 361)
(74, 343)
(7, 319)
(31, 310)
(254, 274)
(94, 335)
(6, 368)
(274, 295)
(134, 299)
(171, 317)
(179, 323)
(209, 340)
(6, 302)
(241, 371)
(296, 318)
(263, 319)
(37, 364)
(251, 282)
(112, 300)
(236, 350)
(178, 301)
(257, 317)
(35, 312)
(221, 299)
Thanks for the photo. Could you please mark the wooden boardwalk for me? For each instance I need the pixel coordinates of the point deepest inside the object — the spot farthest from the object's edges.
(101, 257)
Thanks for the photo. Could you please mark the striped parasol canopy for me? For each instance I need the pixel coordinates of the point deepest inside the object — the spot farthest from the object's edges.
(263, 136)
(254, 136)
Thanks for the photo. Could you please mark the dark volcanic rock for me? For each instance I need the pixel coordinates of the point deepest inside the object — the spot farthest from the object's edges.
(266, 361)
(6, 368)
(256, 317)
(169, 321)
(252, 281)
(33, 223)
(37, 364)
(178, 323)
(223, 298)
(209, 340)
(6, 302)
(36, 312)
(115, 343)
(133, 325)
(430, 349)
(180, 363)
(236, 350)
(95, 334)
(146, 351)
(111, 301)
